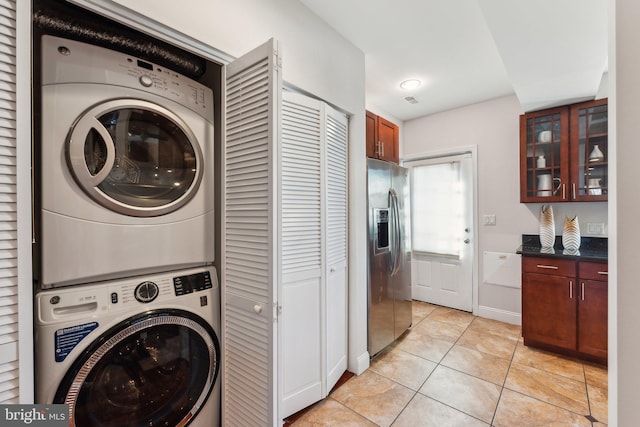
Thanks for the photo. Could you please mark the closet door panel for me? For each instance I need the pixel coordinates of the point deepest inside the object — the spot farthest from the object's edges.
(249, 286)
(336, 134)
(301, 253)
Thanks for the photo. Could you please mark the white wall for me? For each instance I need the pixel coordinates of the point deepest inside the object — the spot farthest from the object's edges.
(319, 61)
(624, 290)
(316, 58)
(494, 127)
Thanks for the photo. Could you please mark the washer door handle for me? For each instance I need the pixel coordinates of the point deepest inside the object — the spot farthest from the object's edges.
(77, 141)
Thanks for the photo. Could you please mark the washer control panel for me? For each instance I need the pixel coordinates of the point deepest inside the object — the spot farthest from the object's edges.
(86, 302)
(146, 291)
(192, 283)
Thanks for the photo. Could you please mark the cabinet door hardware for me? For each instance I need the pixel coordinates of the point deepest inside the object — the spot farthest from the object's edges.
(549, 267)
(570, 289)
(582, 291)
(604, 273)
(564, 191)
(573, 190)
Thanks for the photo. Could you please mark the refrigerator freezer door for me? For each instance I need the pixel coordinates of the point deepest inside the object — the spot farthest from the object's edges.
(380, 321)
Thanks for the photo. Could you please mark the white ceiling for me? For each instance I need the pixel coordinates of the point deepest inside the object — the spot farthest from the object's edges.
(547, 52)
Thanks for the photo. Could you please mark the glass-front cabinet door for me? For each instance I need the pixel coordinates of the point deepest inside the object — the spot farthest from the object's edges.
(589, 151)
(544, 156)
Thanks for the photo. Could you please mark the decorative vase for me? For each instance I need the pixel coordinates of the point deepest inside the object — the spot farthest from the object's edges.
(547, 227)
(571, 234)
(596, 155)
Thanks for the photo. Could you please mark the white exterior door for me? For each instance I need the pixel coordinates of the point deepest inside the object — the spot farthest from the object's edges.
(442, 194)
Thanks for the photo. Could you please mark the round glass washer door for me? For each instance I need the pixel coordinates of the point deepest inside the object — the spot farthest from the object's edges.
(156, 369)
(135, 157)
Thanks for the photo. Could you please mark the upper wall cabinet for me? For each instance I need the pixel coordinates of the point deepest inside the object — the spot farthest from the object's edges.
(564, 153)
(382, 139)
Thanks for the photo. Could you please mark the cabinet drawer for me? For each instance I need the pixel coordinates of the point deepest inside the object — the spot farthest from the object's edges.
(593, 271)
(554, 266)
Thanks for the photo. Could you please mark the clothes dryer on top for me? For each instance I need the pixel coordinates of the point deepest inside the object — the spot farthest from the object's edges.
(126, 166)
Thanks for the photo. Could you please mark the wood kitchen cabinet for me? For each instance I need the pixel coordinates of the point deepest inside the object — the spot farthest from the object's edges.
(382, 138)
(548, 303)
(564, 153)
(564, 306)
(592, 309)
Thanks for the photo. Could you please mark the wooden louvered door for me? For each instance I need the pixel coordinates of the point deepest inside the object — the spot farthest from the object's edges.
(335, 171)
(301, 253)
(249, 273)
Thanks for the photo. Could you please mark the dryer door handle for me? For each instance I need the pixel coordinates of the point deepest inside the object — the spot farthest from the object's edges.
(77, 141)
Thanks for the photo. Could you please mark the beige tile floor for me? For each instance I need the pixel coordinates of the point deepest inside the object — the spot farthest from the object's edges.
(454, 369)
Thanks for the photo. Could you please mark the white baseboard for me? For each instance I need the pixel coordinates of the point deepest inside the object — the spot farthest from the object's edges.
(362, 364)
(501, 315)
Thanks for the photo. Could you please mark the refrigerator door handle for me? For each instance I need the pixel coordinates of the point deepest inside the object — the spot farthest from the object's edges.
(394, 229)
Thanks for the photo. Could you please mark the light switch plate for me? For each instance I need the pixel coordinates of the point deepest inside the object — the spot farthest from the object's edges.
(595, 228)
(490, 219)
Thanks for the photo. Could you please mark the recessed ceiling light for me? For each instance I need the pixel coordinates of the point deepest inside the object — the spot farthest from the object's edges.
(410, 84)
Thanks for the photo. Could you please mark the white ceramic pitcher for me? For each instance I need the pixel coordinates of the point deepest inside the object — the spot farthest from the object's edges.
(547, 186)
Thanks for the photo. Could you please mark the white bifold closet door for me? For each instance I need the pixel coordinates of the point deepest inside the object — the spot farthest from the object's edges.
(301, 255)
(284, 261)
(335, 171)
(313, 255)
(249, 288)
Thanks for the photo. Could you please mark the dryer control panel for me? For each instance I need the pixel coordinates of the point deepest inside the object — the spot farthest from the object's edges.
(71, 61)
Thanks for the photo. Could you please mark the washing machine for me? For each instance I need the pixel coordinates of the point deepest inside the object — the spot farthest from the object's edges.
(126, 166)
(140, 351)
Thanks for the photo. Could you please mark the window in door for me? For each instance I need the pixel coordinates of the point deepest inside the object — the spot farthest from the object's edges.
(438, 208)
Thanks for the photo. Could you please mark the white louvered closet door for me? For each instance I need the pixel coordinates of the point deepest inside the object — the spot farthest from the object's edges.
(9, 378)
(249, 282)
(301, 253)
(336, 137)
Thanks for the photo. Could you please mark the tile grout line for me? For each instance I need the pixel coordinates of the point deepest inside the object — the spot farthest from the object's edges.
(586, 386)
(511, 361)
(504, 382)
(439, 363)
(552, 373)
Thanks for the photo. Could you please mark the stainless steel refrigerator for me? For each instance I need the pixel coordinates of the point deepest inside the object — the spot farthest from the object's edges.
(389, 254)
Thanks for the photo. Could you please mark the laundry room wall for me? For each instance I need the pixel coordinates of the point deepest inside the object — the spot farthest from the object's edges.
(317, 60)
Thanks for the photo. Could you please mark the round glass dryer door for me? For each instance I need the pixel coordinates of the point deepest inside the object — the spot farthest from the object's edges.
(154, 370)
(135, 157)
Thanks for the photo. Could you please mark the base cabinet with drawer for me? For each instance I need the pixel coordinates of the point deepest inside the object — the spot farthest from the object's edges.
(564, 306)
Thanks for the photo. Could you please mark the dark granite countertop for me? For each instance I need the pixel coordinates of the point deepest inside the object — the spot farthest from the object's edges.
(591, 248)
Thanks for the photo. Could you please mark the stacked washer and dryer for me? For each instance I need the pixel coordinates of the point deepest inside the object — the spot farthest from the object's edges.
(127, 305)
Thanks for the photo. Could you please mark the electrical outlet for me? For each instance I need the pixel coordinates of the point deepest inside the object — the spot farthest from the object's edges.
(595, 228)
(490, 219)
